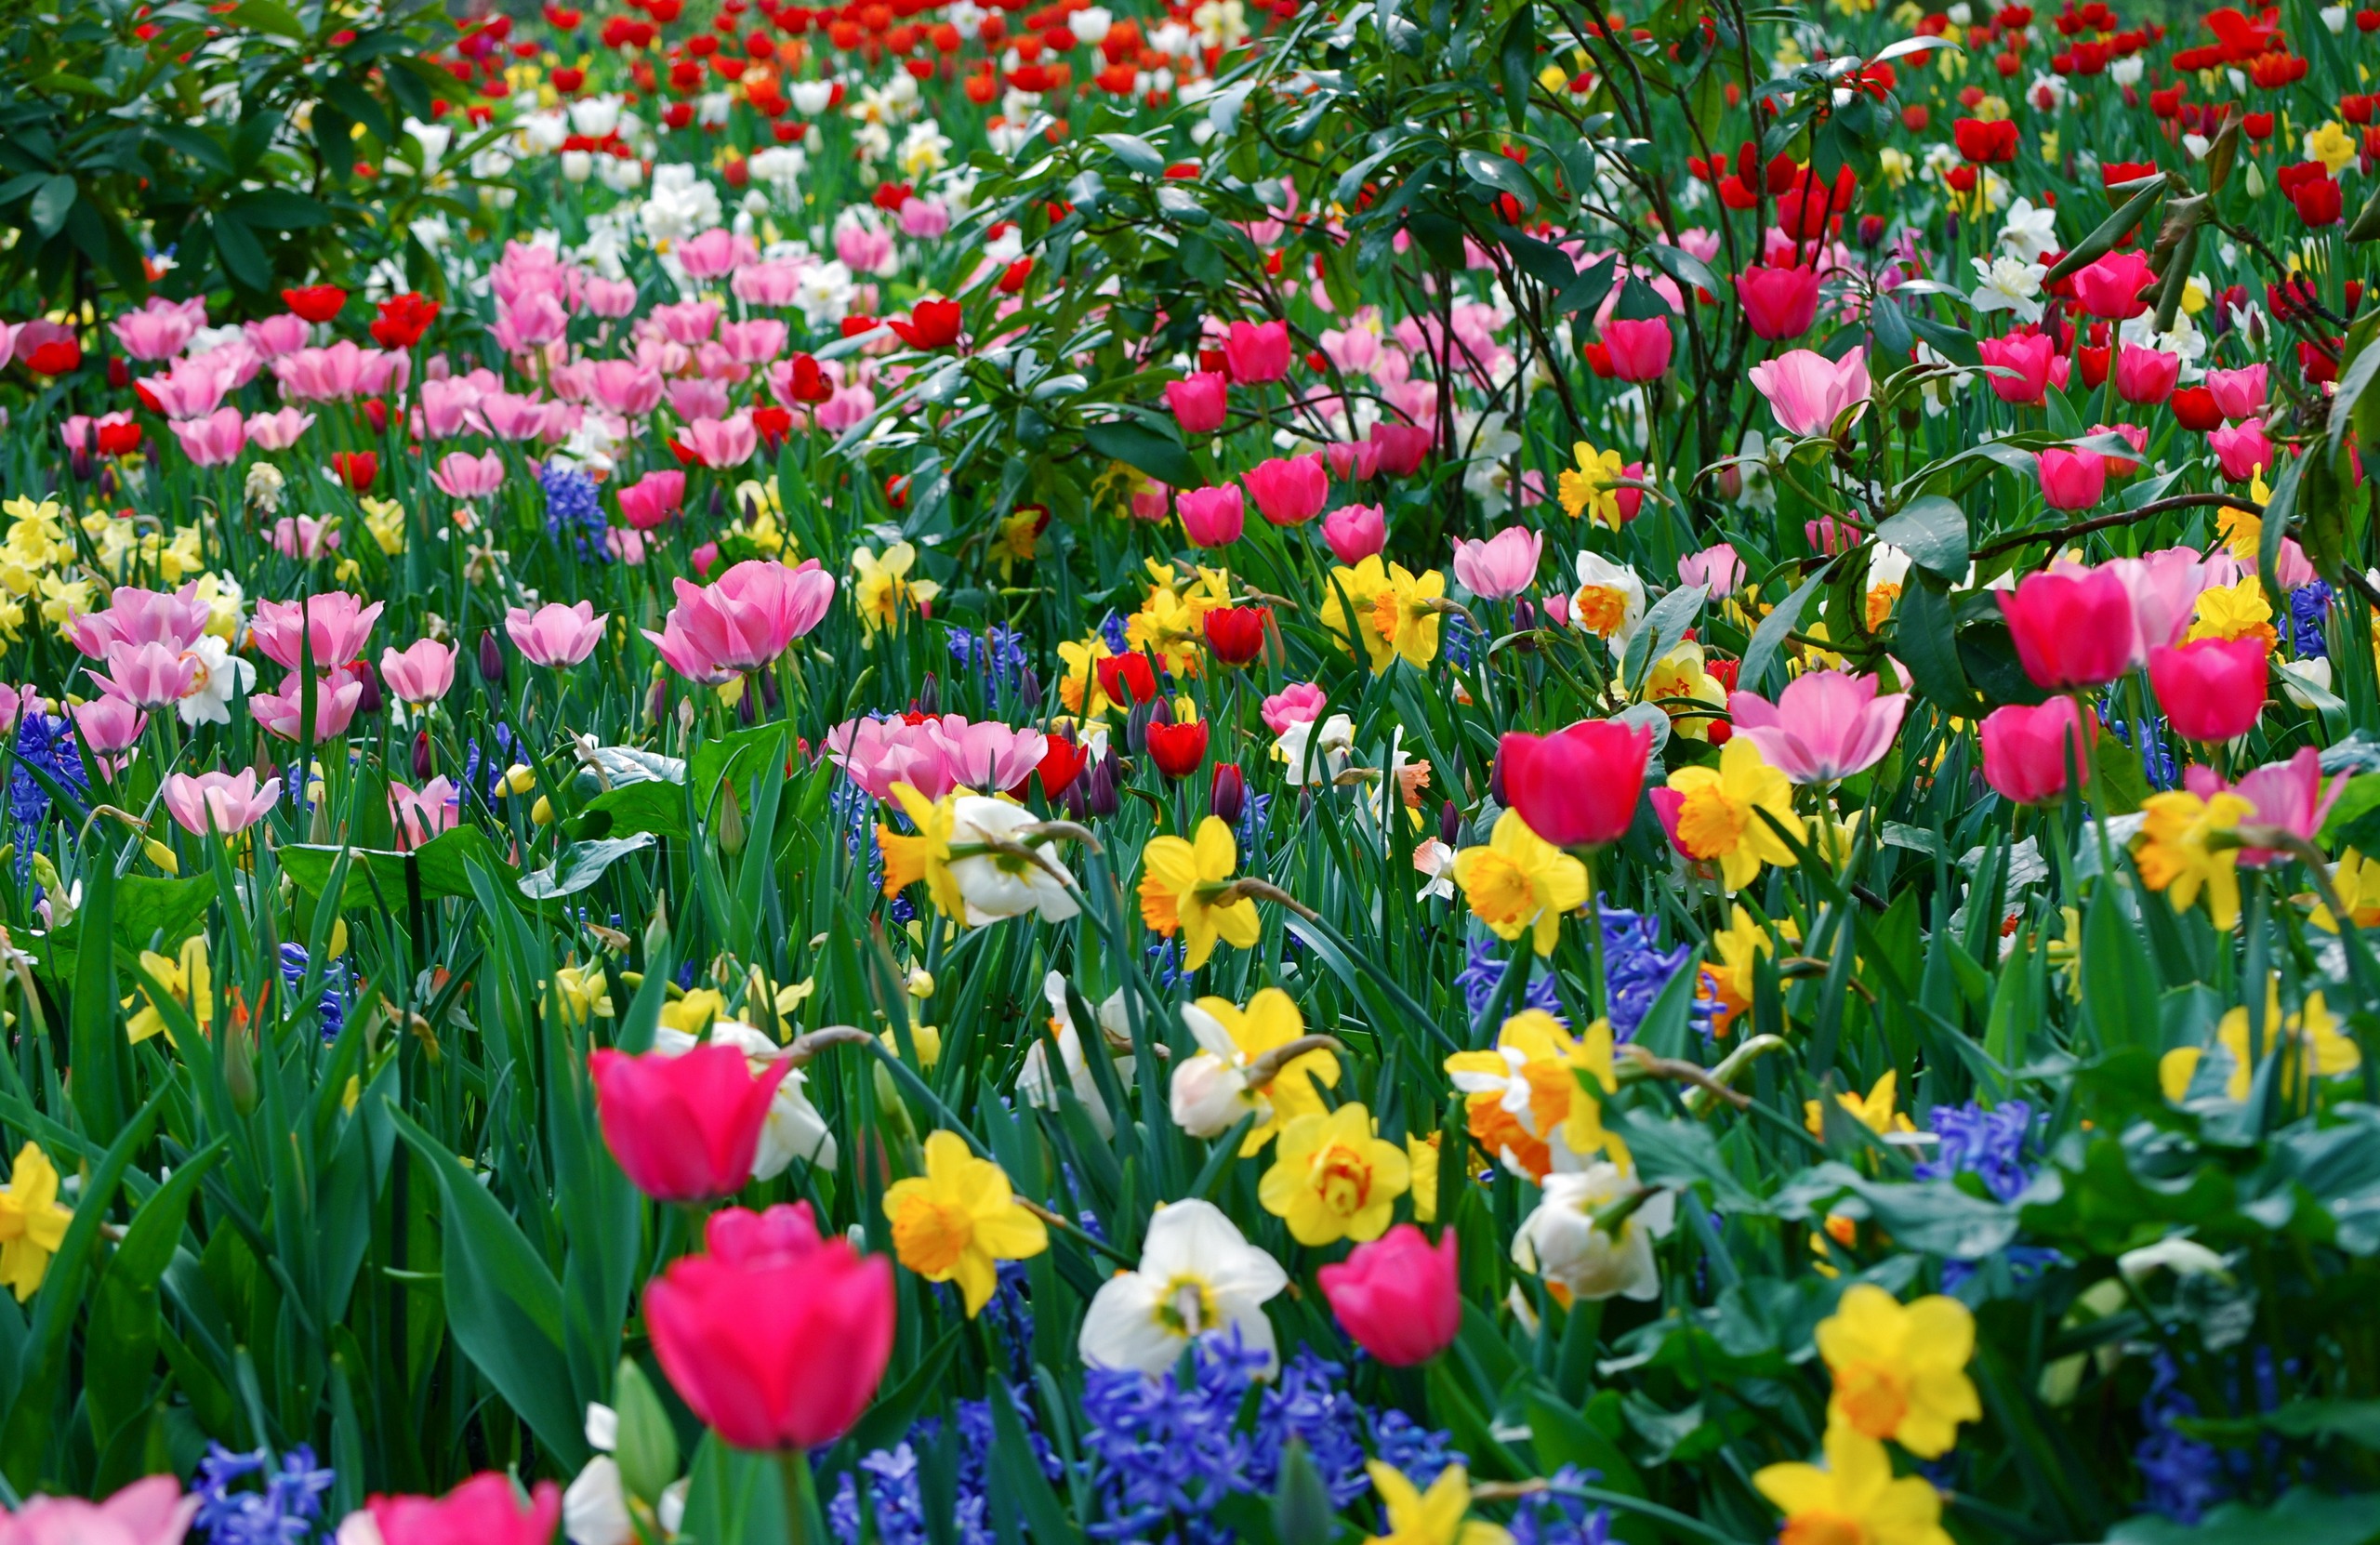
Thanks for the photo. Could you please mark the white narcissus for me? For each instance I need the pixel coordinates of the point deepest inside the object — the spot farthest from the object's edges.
(1001, 885)
(1561, 1243)
(1198, 1274)
(1032, 1081)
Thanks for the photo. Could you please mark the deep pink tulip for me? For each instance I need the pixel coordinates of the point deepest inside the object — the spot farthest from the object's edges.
(746, 620)
(150, 1511)
(334, 623)
(228, 803)
(684, 1128)
(1640, 349)
(421, 674)
(2027, 354)
(777, 1338)
(2242, 450)
(283, 713)
(2287, 794)
(460, 475)
(2073, 629)
(1780, 302)
(1355, 531)
(1211, 517)
(1501, 567)
(2240, 393)
(1577, 788)
(483, 1511)
(1198, 400)
(1403, 447)
(555, 635)
(652, 499)
(2110, 288)
(1353, 460)
(1288, 490)
(2146, 375)
(213, 441)
(2211, 690)
(1257, 351)
(1825, 726)
(2071, 479)
(1808, 391)
(2025, 749)
(1399, 1298)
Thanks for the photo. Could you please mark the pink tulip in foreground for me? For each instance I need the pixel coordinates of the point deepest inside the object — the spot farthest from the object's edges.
(2073, 629)
(553, 634)
(1501, 567)
(652, 499)
(2025, 749)
(1354, 531)
(483, 1511)
(1808, 391)
(685, 1127)
(744, 621)
(1211, 517)
(150, 1511)
(213, 441)
(2210, 690)
(229, 804)
(1825, 726)
(1198, 400)
(778, 1338)
(1288, 490)
(134, 615)
(2239, 393)
(1640, 349)
(2164, 587)
(1399, 1297)
(1577, 788)
(2241, 450)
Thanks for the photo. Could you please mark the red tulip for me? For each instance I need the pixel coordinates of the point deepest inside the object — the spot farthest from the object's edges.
(2073, 629)
(316, 303)
(48, 348)
(2026, 750)
(1984, 142)
(1779, 303)
(1236, 634)
(1399, 1297)
(402, 320)
(777, 1338)
(1061, 764)
(2318, 201)
(1127, 677)
(2211, 690)
(2195, 408)
(483, 1511)
(930, 325)
(1178, 749)
(356, 469)
(684, 1128)
(1578, 787)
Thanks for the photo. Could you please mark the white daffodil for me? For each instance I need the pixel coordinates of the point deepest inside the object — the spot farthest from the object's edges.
(1001, 885)
(1033, 1082)
(1323, 757)
(221, 676)
(1561, 1243)
(1198, 1274)
(2029, 235)
(1609, 602)
(2008, 285)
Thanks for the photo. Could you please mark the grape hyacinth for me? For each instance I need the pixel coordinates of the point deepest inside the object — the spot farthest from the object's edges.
(284, 1509)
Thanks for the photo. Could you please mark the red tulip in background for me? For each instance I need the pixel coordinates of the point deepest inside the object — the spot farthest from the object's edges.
(356, 469)
(2211, 690)
(2074, 629)
(1577, 788)
(1178, 750)
(777, 1338)
(1127, 677)
(1985, 143)
(1398, 1298)
(1236, 634)
(2026, 750)
(684, 1128)
(1779, 303)
(316, 303)
(402, 320)
(2195, 408)
(48, 348)
(483, 1511)
(930, 325)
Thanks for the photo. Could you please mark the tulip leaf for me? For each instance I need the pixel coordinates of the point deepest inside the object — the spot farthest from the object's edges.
(2102, 241)
(2280, 508)
(1022, 1502)
(1927, 643)
(1933, 530)
(581, 865)
(2303, 1516)
(1137, 445)
(1770, 635)
(1516, 60)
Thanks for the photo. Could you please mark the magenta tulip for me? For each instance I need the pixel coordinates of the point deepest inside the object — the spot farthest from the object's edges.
(2073, 629)
(2211, 690)
(1355, 531)
(1288, 490)
(1257, 351)
(1640, 349)
(1579, 786)
(1198, 400)
(2025, 749)
(483, 1511)
(1211, 517)
(1399, 1298)
(1779, 303)
(2110, 288)
(2146, 375)
(685, 1127)
(2071, 479)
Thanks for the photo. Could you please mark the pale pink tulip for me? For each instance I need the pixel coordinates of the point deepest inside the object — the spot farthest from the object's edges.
(1808, 391)
(721, 441)
(229, 803)
(279, 429)
(335, 623)
(422, 814)
(213, 441)
(283, 713)
(460, 475)
(421, 674)
(1826, 725)
(1501, 567)
(555, 635)
(743, 622)
(148, 675)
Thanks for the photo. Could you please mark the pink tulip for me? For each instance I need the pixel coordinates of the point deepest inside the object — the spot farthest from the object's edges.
(2239, 393)
(421, 674)
(226, 802)
(2131, 435)
(2164, 587)
(2028, 356)
(335, 623)
(1717, 568)
(935, 755)
(283, 713)
(687, 321)
(1257, 351)
(1355, 531)
(460, 475)
(1824, 727)
(2242, 449)
(2146, 375)
(1399, 1298)
(2073, 629)
(2110, 288)
(1198, 400)
(1353, 460)
(696, 397)
(150, 1511)
(511, 416)
(2286, 794)
(1579, 786)
(743, 622)
(2071, 479)
(148, 675)
(626, 387)
(1211, 517)
(213, 441)
(1779, 302)
(555, 635)
(276, 335)
(1501, 566)
(715, 252)
(160, 329)
(777, 1338)
(2211, 690)
(721, 441)
(278, 430)
(1403, 447)
(134, 615)
(684, 1127)
(303, 536)
(613, 298)
(2025, 749)
(1299, 703)
(421, 813)
(1641, 349)
(109, 726)
(755, 342)
(1288, 490)
(1808, 391)
(483, 1511)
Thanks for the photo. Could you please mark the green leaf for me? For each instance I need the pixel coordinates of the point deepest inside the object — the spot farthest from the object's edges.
(1927, 641)
(1019, 1490)
(2118, 976)
(1137, 445)
(2101, 242)
(1769, 636)
(1136, 153)
(50, 204)
(581, 865)
(1301, 1510)
(2302, 1517)
(1500, 172)
(1516, 59)
(444, 864)
(270, 16)
(279, 209)
(244, 259)
(1933, 530)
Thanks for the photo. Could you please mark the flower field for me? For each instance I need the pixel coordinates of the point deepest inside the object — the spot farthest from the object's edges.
(1443, 772)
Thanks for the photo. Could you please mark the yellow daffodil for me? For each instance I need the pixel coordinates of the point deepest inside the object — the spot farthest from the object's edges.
(1439, 1516)
(953, 1222)
(1078, 686)
(583, 991)
(2357, 879)
(1873, 1110)
(2174, 855)
(1171, 627)
(1534, 1086)
(1211, 1090)
(696, 1012)
(2332, 146)
(1716, 815)
(1855, 1501)
(184, 976)
(1405, 618)
(1520, 883)
(1020, 531)
(1421, 1158)
(385, 520)
(31, 1223)
(1727, 976)
(1356, 590)
(1900, 1370)
(1588, 489)
(2235, 612)
(1332, 1178)
(2310, 1039)
(1181, 885)
(883, 589)
(926, 855)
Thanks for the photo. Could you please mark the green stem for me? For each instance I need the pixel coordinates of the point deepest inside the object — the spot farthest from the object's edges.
(793, 1471)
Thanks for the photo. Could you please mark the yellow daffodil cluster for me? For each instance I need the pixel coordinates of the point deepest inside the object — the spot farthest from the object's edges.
(2308, 1042)
(1395, 612)
(1537, 1089)
(1334, 1177)
(882, 590)
(2176, 852)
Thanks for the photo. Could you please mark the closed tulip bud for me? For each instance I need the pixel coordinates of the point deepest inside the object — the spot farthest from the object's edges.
(657, 704)
(1227, 799)
(491, 659)
(772, 695)
(1399, 1297)
(423, 763)
(1099, 796)
(930, 695)
(369, 679)
(1449, 823)
(1496, 790)
(1136, 726)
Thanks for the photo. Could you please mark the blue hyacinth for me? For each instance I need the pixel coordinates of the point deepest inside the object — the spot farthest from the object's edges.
(44, 741)
(2185, 1476)
(284, 1508)
(331, 1008)
(1988, 1143)
(1635, 970)
(2309, 606)
(572, 509)
(1484, 975)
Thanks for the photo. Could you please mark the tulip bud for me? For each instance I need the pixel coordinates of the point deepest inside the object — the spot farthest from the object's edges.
(744, 708)
(657, 704)
(370, 702)
(422, 762)
(772, 695)
(491, 659)
(1028, 685)
(78, 461)
(1136, 725)
(1496, 779)
(1449, 824)
(929, 696)
(1227, 799)
(1099, 786)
